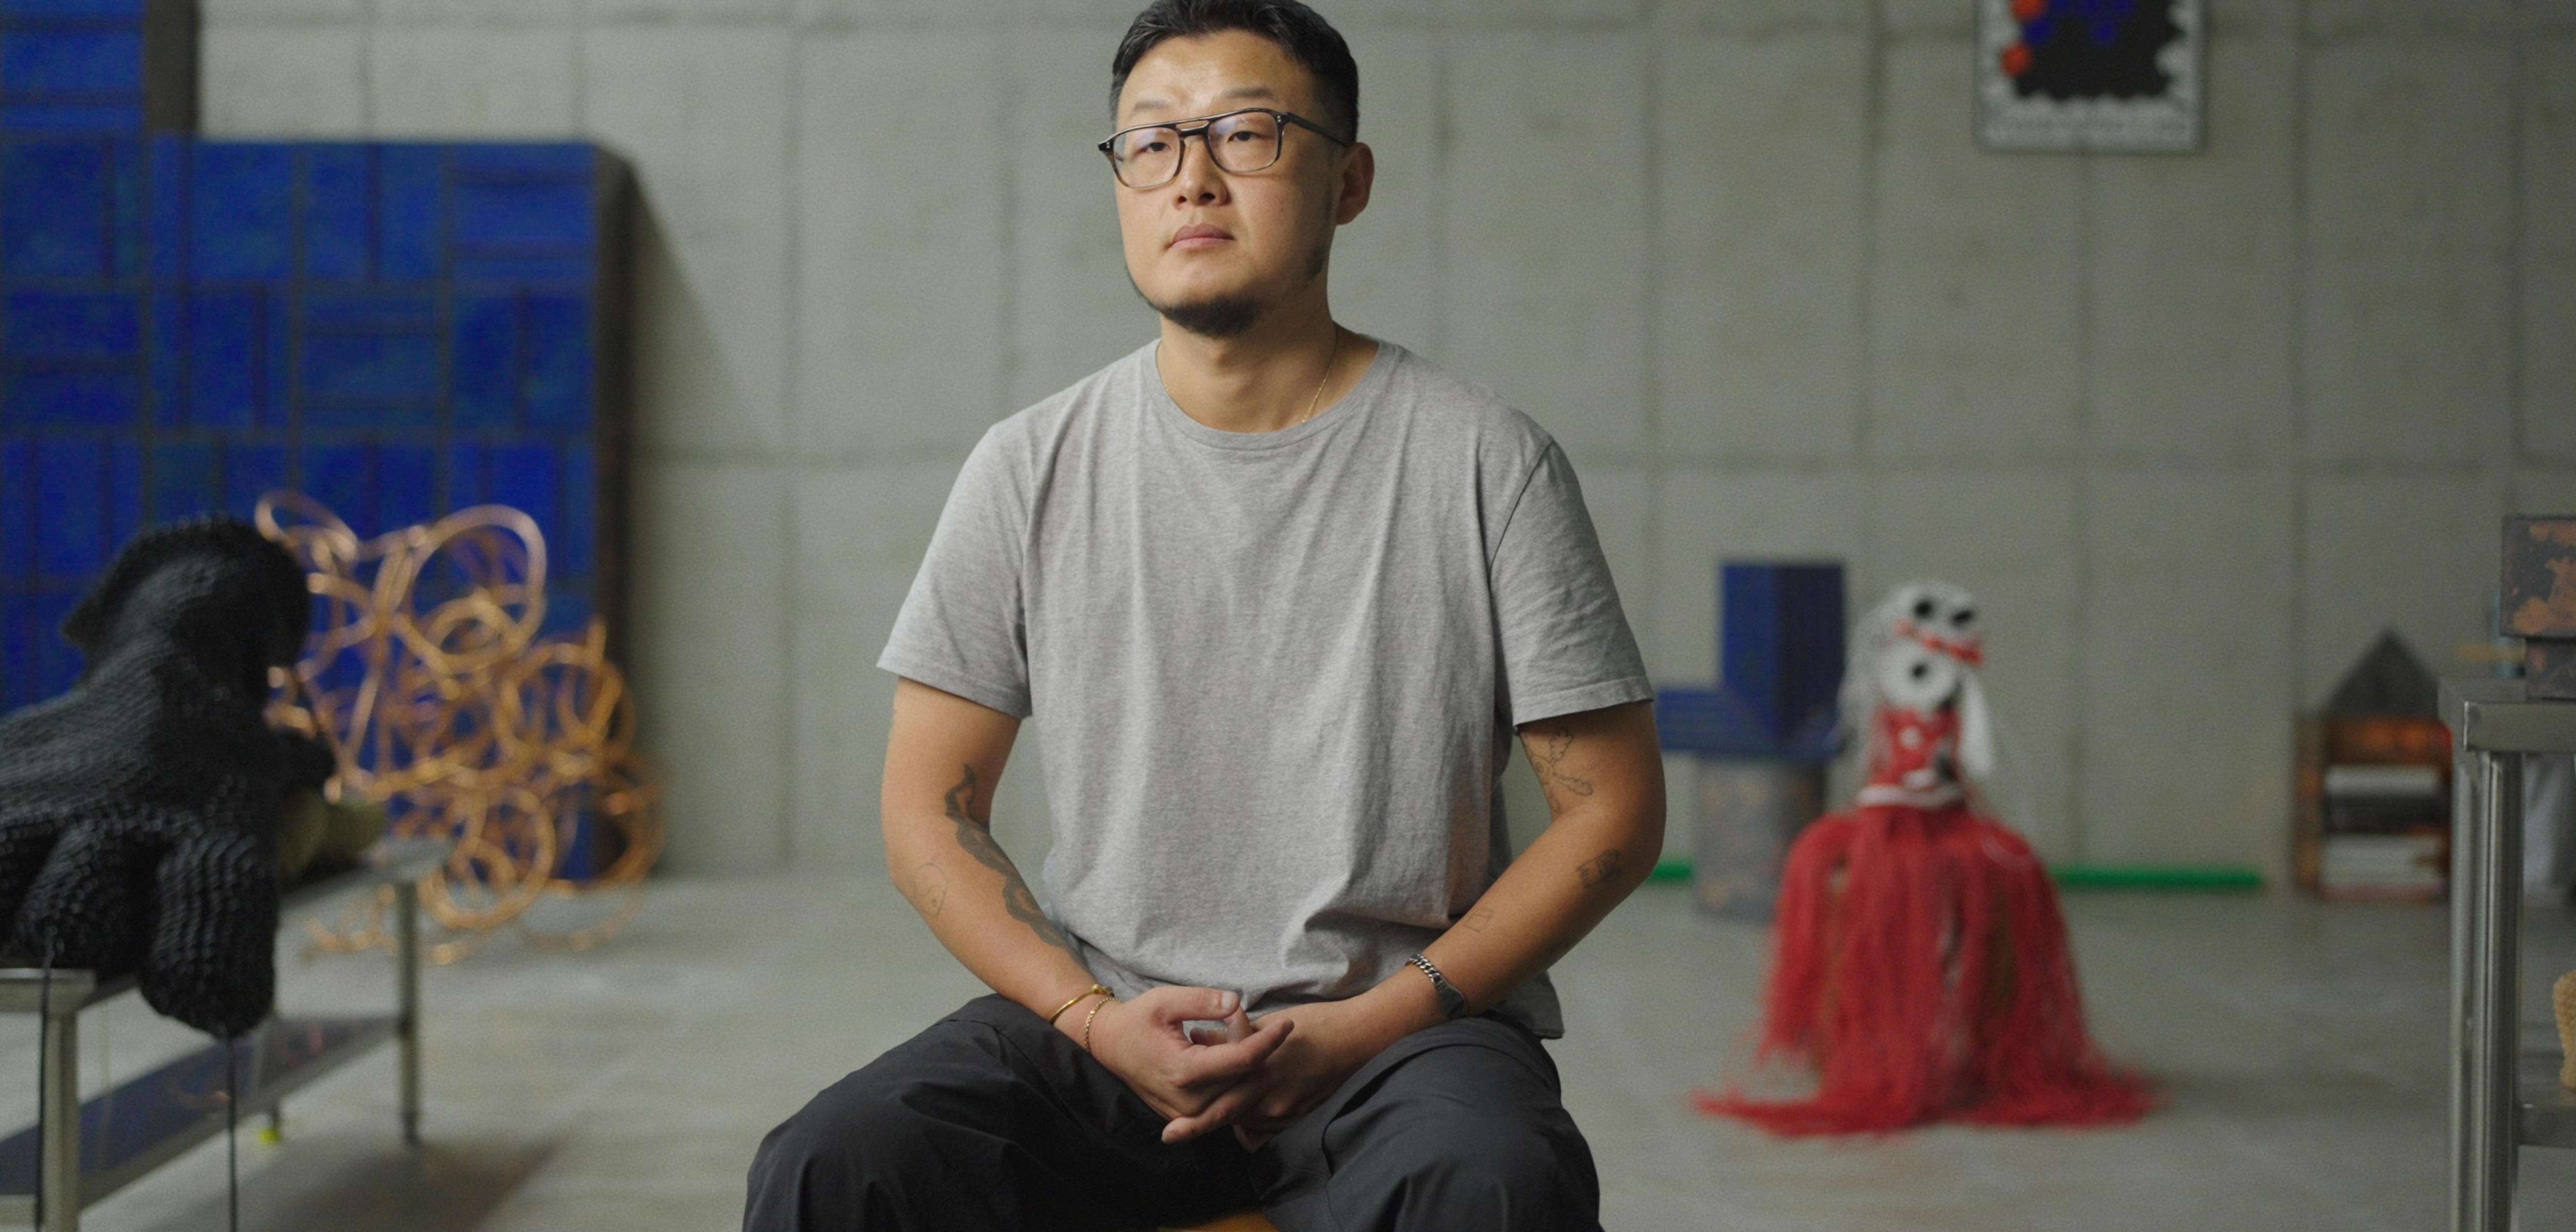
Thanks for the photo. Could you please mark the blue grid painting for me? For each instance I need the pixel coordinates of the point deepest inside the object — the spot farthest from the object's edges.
(399, 330)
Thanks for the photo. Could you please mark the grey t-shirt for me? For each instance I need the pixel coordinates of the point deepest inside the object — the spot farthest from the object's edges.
(1274, 675)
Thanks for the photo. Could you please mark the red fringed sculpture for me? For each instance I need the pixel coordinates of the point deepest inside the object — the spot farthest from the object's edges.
(1921, 966)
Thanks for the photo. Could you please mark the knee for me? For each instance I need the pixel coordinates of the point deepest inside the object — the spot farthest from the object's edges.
(1509, 1174)
(846, 1151)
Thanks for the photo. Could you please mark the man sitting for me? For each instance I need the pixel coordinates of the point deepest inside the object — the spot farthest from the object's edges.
(1279, 594)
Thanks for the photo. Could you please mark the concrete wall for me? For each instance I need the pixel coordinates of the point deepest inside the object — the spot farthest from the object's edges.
(2194, 427)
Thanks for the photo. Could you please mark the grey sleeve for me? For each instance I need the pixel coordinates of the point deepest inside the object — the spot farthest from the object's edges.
(962, 629)
(1565, 642)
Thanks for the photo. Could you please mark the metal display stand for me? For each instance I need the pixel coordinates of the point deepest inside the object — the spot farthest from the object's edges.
(2495, 1109)
(68, 1162)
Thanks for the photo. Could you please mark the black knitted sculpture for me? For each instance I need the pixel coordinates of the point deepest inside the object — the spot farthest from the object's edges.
(139, 811)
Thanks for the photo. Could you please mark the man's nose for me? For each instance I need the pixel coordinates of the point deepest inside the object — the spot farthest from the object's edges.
(1200, 180)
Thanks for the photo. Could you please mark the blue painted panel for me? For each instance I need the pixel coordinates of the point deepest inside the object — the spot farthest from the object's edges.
(184, 481)
(528, 478)
(478, 268)
(250, 321)
(469, 477)
(371, 361)
(165, 359)
(251, 471)
(57, 325)
(575, 546)
(125, 208)
(485, 362)
(17, 510)
(411, 232)
(68, 119)
(559, 351)
(1781, 650)
(71, 8)
(567, 605)
(17, 650)
(343, 478)
(79, 61)
(369, 312)
(55, 209)
(71, 514)
(227, 348)
(339, 238)
(406, 485)
(57, 664)
(551, 216)
(71, 397)
(242, 211)
(165, 207)
(124, 513)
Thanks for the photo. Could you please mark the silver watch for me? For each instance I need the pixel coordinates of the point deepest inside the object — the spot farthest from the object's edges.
(1453, 1003)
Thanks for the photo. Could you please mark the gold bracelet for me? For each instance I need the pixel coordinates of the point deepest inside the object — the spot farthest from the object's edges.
(1093, 991)
(1086, 1021)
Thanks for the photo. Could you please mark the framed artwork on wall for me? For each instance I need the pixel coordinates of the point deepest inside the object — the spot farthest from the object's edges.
(2120, 76)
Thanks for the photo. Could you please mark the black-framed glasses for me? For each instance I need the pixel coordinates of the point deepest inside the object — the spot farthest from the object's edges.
(1241, 142)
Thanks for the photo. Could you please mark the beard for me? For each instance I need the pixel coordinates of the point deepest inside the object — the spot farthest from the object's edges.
(1218, 316)
(1234, 315)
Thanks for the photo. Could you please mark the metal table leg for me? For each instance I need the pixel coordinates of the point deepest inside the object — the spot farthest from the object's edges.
(2486, 936)
(58, 1168)
(407, 1003)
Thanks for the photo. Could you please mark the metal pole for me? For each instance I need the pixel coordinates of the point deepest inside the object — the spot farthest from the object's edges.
(2468, 774)
(2498, 1043)
(58, 1171)
(407, 1003)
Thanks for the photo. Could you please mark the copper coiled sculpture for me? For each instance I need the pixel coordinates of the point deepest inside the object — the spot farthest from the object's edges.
(431, 679)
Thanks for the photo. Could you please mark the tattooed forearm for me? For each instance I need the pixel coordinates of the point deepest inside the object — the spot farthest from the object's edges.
(930, 889)
(1549, 761)
(1602, 869)
(977, 838)
(1477, 920)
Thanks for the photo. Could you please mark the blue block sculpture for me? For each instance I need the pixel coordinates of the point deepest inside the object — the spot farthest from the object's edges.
(1780, 664)
(397, 329)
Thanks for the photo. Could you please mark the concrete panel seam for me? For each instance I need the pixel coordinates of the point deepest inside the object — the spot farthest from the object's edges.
(2517, 94)
(1873, 138)
(791, 408)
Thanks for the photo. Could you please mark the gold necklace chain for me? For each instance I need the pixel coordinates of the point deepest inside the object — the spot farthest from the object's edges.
(1329, 355)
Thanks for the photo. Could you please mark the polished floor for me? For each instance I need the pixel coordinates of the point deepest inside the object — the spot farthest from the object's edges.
(2300, 1047)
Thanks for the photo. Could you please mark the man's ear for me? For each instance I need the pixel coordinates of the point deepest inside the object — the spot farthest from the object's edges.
(1358, 178)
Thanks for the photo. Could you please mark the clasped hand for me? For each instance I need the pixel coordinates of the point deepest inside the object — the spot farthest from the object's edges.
(1259, 1079)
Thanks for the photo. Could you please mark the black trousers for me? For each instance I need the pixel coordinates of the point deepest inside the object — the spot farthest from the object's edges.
(993, 1121)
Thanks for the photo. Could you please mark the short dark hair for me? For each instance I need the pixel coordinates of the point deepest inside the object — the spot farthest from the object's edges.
(1300, 31)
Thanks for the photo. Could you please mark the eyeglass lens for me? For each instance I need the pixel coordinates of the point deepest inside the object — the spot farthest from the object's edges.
(1244, 142)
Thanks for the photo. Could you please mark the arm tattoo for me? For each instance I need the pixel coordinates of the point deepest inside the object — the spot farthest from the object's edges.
(930, 888)
(1476, 922)
(977, 838)
(1602, 869)
(1550, 765)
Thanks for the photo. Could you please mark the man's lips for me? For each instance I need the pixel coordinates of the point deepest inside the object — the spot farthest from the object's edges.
(1199, 235)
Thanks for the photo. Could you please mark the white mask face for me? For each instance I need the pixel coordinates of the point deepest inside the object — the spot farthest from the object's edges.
(1916, 677)
(1938, 609)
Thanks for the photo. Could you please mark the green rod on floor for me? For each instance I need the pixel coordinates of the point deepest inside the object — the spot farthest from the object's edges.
(2218, 878)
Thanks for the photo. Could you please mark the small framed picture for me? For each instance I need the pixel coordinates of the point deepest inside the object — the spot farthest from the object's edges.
(2104, 75)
